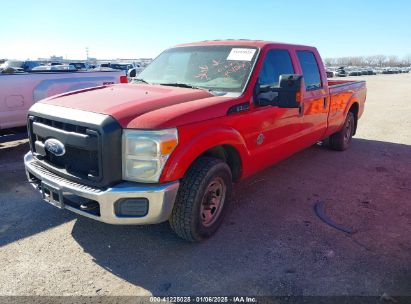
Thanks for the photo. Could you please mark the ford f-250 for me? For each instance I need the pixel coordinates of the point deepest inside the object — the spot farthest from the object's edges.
(170, 145)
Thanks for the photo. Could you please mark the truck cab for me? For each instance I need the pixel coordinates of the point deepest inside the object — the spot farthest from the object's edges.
(200, 117)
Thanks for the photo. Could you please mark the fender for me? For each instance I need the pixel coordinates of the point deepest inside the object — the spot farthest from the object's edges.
(353, 99)
(184, 156)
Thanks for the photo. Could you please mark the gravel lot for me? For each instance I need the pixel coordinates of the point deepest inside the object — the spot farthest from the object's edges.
(272, 243)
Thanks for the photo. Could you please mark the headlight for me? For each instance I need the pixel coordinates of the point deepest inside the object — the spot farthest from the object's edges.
(145, 153)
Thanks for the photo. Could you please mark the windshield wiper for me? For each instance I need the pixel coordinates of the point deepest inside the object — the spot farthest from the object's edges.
(181, 85)
(140, 80)
(189, 86)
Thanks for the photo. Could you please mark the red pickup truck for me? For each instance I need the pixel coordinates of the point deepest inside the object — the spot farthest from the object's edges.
(169, 145)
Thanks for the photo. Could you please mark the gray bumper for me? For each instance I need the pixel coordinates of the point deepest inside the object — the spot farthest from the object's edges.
(161, 197)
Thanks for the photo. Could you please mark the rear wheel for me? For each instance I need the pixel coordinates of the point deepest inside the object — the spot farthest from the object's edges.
(202, 199)
(341, 140)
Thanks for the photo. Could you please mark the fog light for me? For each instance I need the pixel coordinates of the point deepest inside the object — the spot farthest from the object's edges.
(131, 207)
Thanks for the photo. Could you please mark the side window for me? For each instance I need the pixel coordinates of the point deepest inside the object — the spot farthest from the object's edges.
(311, 72)
(276, 63)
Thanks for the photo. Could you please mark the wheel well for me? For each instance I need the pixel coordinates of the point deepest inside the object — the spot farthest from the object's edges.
(354, 109)
(228, 154)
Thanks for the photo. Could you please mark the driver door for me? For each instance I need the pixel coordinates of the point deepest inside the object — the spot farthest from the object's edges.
(276, 130)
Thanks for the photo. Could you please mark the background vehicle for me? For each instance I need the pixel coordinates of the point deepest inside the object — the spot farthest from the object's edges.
(11, 64)
(18, 92)
(199, 117)
(121, 66)
(26, 65)
(11, 70)
(330, 74)
(341, 72)
(355, 73)
(81, 66)
(54, 68)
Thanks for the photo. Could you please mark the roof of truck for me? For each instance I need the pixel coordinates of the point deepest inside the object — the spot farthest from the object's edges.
(243, 42)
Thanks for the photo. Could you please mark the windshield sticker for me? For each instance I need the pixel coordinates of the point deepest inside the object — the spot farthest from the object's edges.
(203, 72)
(219, 69)
(241, 54)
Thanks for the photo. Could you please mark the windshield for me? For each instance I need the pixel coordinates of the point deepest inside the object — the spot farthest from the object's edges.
(215, 67)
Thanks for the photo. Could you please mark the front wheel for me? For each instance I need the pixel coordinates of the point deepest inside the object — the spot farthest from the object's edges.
(202, 199)
(341, 140)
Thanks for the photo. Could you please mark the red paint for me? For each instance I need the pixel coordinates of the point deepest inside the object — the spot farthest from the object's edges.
(202, 119)
(123, 79)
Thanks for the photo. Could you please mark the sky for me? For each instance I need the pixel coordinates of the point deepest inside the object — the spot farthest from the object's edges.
(143, 28)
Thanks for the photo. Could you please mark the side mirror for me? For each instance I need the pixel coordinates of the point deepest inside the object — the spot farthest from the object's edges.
(132, 73)
(287, 94)
(289, 91)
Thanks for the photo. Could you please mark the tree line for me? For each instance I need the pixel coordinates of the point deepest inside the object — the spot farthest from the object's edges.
(373, 61)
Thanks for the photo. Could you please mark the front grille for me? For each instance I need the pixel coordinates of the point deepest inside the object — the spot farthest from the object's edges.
(91, 151)
(77, 161)
(62, 125)
(82, 147)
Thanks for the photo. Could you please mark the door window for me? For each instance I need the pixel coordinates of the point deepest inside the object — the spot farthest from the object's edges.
(311, 72)
(276, 63)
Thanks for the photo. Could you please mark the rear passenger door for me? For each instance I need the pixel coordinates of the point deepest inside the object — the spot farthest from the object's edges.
(315, 97)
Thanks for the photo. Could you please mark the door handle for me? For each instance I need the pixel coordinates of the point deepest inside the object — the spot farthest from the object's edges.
(325, 103)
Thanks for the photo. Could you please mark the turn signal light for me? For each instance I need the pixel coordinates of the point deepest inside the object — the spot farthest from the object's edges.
(166, 147)
(123, 79)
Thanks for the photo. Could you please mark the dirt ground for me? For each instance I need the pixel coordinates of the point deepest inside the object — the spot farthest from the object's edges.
(272, 242)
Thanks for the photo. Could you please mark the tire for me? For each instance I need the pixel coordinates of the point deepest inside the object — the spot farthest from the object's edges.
(202, 199)
(341, 140)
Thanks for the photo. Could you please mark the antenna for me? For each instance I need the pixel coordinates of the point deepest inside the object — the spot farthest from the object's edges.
(87, 53)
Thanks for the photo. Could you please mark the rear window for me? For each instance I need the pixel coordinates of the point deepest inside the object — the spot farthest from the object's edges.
(311, 72)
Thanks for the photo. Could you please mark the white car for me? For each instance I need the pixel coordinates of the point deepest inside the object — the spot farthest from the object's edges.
(19, 91)
(61, 67)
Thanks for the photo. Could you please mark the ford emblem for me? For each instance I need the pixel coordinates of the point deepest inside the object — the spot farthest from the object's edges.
(54, 146)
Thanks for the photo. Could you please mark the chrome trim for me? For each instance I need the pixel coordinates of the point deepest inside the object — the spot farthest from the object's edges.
(161, 197)
(74, 115)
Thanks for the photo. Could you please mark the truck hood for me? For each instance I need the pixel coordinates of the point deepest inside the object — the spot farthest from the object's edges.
(144, 106)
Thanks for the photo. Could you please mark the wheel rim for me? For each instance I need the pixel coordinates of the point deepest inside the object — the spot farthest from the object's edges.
(348, 130)
(212, 202)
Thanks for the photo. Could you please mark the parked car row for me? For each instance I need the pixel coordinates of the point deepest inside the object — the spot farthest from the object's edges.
(17, 66)
(395, 70)
(360, 71)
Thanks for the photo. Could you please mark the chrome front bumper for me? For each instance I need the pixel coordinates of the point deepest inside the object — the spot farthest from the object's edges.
(160, 197)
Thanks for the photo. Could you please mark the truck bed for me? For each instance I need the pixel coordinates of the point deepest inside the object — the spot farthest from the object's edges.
(342, 94)
(336, 86)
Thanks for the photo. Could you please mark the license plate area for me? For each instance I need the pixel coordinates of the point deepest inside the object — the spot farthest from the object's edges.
(52, 195)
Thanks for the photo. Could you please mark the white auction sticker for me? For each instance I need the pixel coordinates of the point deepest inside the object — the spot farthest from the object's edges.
(241, 54)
